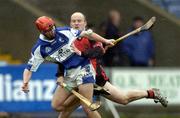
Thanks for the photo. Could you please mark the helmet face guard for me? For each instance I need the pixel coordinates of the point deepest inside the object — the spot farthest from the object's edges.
(44, 24)
(50, 34)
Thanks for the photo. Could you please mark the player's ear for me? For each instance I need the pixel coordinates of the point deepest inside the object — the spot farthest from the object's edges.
(85, 23)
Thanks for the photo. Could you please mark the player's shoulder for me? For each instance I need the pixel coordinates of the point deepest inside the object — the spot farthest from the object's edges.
(36, 46)
(68, 30)
(63, 28)
(39, 43)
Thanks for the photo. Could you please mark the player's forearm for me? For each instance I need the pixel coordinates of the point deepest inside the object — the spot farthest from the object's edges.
(26, 75)
(92, 35)
(60, 71)
(60, 80)
(97, 37)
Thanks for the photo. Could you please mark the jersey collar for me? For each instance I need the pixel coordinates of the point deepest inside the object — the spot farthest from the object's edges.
(42, 37)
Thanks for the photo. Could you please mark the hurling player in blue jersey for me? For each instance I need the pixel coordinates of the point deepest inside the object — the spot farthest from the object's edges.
(94, 51)
(55, 45)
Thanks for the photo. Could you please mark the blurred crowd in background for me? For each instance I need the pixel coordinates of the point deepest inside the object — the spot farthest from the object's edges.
(112, 20)
(136, 51)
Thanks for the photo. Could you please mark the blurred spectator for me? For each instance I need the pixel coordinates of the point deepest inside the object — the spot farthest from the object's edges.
(4, 115)
(139, 47)
(110, 30)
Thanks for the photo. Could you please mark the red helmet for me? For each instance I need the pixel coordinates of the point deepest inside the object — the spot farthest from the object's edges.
(44, 23)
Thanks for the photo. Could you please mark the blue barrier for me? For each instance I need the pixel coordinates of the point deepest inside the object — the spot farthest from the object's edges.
(42, 86)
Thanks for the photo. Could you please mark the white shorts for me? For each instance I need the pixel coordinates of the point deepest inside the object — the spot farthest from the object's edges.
(80, 75)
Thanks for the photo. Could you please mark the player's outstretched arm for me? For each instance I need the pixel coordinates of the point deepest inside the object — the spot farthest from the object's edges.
(26, 77)
(92, 35)
(60, 74)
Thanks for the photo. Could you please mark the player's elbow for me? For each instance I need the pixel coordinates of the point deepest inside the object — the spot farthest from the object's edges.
(87, 33)
(124, 100)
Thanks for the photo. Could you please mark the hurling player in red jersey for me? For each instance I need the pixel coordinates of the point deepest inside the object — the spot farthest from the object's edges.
(94, 51)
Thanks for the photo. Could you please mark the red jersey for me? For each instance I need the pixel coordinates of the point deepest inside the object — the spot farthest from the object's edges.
(83, 44)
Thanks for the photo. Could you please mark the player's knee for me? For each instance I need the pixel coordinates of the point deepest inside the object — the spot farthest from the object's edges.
(64, 114)
(86, 110)
(57, 107)
(123, 100)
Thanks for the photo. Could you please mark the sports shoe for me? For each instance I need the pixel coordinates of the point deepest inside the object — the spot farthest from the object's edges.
(158, 97)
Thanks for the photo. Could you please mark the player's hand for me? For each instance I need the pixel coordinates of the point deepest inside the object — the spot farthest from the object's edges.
(60, 81)
(25, 88)
(110, 42)
(78, 52)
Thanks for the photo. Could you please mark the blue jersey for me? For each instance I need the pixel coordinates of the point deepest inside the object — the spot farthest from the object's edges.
(57, 50)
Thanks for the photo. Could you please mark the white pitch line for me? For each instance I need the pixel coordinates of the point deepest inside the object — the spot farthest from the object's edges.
(112, 109)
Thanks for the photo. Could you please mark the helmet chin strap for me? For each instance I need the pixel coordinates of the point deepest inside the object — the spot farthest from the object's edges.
(51, 34)
(49, 38)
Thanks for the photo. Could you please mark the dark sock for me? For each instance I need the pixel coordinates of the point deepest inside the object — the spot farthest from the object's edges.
(150, 94)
